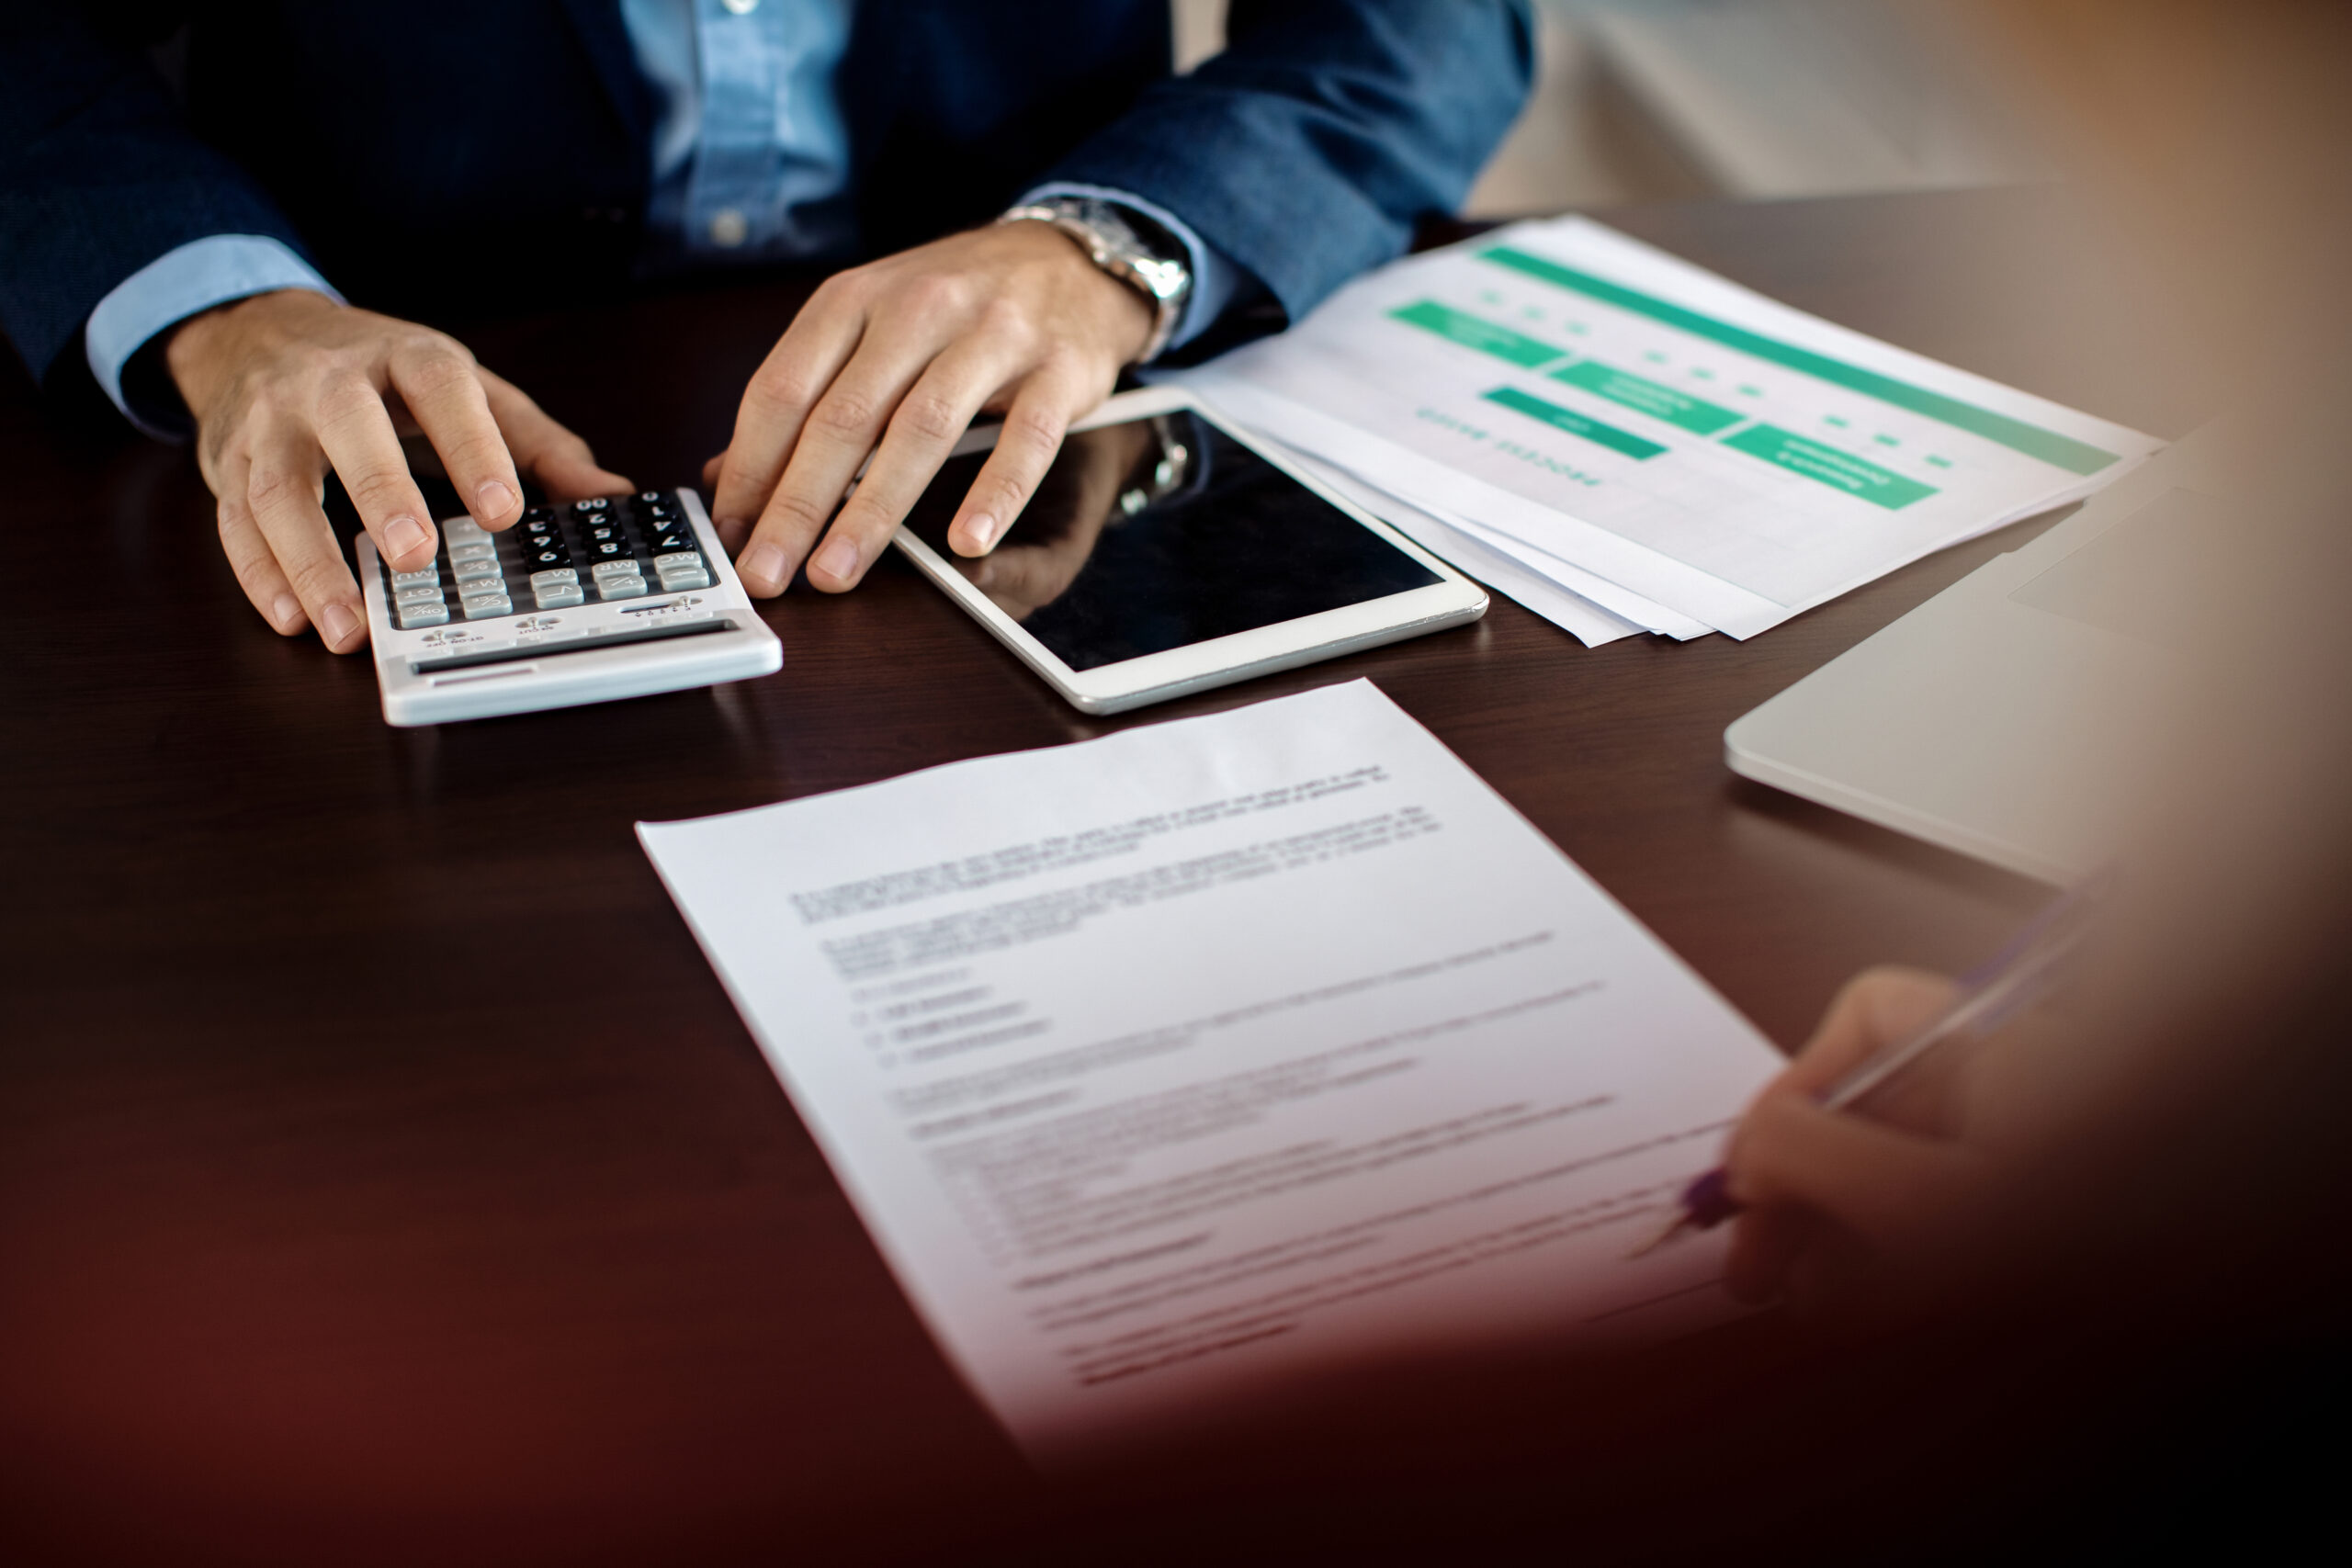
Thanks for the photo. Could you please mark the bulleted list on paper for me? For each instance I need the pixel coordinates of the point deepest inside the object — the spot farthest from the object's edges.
(1165, 1066)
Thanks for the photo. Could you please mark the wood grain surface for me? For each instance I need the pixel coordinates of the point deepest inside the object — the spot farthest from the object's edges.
(384, 1175)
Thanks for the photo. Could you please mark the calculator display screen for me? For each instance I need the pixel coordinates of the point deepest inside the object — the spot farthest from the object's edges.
(1160, 533)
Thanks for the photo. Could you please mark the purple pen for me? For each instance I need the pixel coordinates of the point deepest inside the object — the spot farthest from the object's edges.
(1990, 995)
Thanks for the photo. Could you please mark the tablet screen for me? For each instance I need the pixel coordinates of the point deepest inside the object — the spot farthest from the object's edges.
(1158, 533)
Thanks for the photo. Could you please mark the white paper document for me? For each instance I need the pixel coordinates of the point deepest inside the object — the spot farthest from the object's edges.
(1491, 562)
(1722, 456)
(1167, 1063)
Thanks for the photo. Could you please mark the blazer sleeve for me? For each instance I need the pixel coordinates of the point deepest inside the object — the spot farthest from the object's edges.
(1308, 151)
(99, 175)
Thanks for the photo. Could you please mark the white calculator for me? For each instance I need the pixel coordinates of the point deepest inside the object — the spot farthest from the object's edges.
(587, 602)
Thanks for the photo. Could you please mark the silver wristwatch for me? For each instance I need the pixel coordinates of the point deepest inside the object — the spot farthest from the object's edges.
(1162, 273)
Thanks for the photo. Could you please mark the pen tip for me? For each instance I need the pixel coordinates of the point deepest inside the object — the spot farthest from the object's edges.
(1674, 1226)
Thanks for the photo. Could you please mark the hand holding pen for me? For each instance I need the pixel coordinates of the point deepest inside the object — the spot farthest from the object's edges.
(1797, 1149)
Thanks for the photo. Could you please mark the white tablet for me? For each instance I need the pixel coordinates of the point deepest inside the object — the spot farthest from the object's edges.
(1165, 554)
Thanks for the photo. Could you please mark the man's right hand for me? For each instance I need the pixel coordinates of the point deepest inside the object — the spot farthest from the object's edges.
(289, 385)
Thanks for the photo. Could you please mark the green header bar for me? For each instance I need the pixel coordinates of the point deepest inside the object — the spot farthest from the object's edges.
(1472, 331)
(1650, 396)
(1575, 424)
(2047, 446)
(1828, 465)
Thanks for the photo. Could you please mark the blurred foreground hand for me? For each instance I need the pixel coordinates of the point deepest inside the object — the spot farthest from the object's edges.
(1829, 1198)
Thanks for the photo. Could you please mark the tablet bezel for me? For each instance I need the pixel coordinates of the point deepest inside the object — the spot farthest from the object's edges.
(1453, 600)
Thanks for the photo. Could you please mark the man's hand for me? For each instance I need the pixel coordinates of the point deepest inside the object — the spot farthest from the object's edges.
(1078, 496)
(891, 361)
(286, 386)
(1827, 1194)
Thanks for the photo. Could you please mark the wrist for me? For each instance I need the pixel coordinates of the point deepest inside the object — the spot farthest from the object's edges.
(194, 351)
(1127, 247)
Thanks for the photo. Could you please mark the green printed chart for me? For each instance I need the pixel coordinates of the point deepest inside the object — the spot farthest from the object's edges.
(1814, 458)
(1880, 486)
(1691, 452)
(2050, 446)
(1575, 424)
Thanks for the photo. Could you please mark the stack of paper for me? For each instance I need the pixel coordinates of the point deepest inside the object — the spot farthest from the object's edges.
(1624, 441)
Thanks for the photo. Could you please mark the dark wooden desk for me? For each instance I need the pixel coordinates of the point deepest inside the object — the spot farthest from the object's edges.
(385, 1177)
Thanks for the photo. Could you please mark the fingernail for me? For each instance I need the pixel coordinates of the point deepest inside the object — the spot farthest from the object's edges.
(982, 529)
(338, 621)
(763, 566)
(837, 559)
(492, 499)
(402, 536)
(286, 612)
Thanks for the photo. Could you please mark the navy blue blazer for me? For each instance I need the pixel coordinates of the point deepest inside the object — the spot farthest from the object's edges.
(427, 151)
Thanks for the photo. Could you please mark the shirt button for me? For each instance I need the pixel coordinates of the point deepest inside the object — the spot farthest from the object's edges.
(728, 225)
(741, 7)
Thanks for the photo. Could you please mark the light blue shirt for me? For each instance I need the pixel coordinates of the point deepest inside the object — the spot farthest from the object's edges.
(750, 162)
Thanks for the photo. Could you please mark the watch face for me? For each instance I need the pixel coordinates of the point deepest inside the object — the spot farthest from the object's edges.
(1134, 238)
(1150, 239)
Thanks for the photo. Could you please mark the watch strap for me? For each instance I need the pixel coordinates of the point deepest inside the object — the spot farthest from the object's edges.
(1115, 241)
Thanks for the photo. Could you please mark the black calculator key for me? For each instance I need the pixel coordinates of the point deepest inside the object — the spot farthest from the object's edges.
(546, 560)
(651, 497)
(537, 514)
(670, 540)
(609, 549)
(594, 504)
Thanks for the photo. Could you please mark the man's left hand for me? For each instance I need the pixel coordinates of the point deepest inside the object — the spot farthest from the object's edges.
(891, 361)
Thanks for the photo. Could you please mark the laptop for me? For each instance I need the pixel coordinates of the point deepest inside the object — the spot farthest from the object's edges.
(2015, 717)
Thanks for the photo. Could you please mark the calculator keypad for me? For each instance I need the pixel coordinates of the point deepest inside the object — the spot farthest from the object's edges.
(603, 548)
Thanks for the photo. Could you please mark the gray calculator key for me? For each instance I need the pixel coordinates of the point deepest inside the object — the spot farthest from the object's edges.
(458, 528)
(429, 572)
(418, 593)
(483, 550)
(681, 577)
(561, 576)
(480, 604)
(679, 558)
(617, 587)
(557, 595)
(476, 572)
(424, 614)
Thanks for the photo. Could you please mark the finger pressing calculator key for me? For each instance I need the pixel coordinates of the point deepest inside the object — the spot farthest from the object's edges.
(586, 602)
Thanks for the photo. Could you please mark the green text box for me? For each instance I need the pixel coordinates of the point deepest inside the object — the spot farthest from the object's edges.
(1830, 467)
(2049, 446)
(1474, 332)
(1575, 424)
(1648, 397)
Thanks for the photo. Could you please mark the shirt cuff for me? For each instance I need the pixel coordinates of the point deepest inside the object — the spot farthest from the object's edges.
(1216, 278)
(174, 287)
